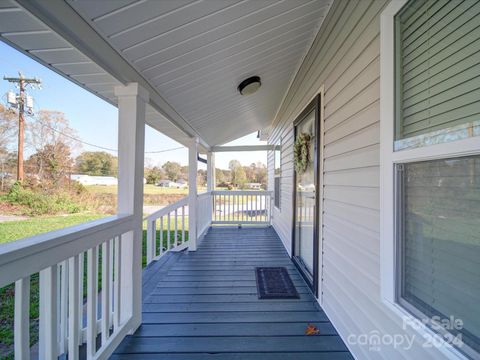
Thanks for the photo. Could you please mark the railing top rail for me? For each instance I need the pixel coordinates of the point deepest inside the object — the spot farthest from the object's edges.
(242, 192)
(204, 194)
(24, 257)
(167, 209)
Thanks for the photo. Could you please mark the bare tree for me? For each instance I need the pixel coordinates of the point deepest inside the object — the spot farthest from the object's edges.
(8, 127)
(51, 128)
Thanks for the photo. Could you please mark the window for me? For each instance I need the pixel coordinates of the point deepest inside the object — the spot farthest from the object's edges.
(277, 192)
(437, 66)
(430, 165)
(277, 173)
(439, 241)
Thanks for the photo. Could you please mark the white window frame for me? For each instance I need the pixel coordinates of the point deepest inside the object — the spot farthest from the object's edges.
(388, 159)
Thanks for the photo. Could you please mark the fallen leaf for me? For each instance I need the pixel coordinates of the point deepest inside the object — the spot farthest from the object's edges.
(311, 330)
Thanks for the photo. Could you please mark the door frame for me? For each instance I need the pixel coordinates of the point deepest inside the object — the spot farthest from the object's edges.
(315, 105)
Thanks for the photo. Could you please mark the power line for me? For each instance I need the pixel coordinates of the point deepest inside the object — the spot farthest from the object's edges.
(106, 148)
(162, 151)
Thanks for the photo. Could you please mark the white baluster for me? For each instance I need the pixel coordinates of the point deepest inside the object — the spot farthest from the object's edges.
(105, 292)
(110, 280)
(81, 279)
(74, 313)
(92, 285)
(150, 240)
(168, 232)
(229, 215)
(48, 327)
(161, 235)
(183, 224)
(176, 228)
(22, 319)
(63, 344)
(116, 286)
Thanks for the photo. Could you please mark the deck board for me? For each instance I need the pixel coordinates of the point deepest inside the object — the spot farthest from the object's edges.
(204, 305)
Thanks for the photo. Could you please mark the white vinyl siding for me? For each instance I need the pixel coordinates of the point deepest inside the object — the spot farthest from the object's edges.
(345, 60)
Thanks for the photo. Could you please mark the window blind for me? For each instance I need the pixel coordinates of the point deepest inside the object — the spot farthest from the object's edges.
(277, 192)
(439, 239)
(437, 62)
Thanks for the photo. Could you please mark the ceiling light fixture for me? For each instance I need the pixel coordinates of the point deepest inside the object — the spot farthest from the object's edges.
(250, 85)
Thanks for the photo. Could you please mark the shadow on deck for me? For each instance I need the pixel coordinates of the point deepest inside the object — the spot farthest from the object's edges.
(204, 305)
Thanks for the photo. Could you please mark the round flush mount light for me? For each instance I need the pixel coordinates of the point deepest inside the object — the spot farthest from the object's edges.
(250, 85)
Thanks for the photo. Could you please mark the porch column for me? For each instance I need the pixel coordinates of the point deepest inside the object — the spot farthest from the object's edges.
(192, 193)
(211, 181)
(132, 101)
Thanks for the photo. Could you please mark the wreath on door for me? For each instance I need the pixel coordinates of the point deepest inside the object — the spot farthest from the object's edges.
(301, 152)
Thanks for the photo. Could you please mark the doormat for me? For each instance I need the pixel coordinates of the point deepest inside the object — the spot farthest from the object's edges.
(275, 283)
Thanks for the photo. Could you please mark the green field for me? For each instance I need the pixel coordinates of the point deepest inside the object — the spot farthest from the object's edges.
(14, 230)
(149, 189)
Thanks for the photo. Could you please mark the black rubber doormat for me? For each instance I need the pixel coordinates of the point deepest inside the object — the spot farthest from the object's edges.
(275, 283)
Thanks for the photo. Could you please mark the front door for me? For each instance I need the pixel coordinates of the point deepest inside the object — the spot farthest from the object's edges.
(305, 217)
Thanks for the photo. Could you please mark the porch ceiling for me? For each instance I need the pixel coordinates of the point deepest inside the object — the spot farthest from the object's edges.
(192, 53)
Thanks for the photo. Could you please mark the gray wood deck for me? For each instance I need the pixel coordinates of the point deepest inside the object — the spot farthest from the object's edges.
(204, 305)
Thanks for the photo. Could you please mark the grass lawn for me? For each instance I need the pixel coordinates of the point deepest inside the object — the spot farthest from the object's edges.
(14, 230)
(149, 189)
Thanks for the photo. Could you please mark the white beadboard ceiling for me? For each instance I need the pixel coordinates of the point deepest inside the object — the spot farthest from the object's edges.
(192, 53)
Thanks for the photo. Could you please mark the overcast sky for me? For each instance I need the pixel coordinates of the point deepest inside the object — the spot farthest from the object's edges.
(96, 120)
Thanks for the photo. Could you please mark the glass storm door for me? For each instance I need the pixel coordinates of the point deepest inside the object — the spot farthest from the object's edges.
(305, 232)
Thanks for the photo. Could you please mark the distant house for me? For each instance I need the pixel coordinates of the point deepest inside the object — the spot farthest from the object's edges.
(253, 186)
(94, 180)
(165, 183)
(172, 184)
(182, 183)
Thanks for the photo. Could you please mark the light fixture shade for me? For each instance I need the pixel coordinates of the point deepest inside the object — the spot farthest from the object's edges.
(250, 85)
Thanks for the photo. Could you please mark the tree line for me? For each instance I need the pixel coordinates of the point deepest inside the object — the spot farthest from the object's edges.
(53, 142)
(236, 175)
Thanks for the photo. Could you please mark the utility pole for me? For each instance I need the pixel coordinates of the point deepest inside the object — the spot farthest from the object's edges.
(24, 103)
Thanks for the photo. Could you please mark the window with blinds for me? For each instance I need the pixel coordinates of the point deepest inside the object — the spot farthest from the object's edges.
(437, 202)
(437, 64)
(277, 172)
(439, 242)
(277, 192)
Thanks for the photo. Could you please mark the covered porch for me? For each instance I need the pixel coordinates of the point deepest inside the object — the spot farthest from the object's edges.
(197, 295)
(91, 276)
(204, 305)
(318, 80)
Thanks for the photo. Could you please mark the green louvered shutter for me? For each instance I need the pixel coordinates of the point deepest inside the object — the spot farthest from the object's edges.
(437, 66)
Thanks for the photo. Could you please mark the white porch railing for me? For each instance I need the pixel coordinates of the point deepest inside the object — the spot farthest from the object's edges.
(71, 258)
(213, 207)
(61, 257)
(171, 218)
(242, 207)
(204, 212)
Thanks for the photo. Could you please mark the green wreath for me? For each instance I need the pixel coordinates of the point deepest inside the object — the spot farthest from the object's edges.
(301, 152)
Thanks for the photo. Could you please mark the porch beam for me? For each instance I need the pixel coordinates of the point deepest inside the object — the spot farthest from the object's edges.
(66, 22)
(243, 148)
(192, 194)
(132, 100)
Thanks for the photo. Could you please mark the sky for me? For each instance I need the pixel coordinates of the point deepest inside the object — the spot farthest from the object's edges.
(95, 120)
